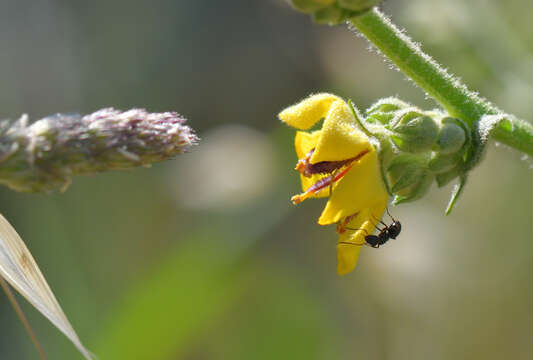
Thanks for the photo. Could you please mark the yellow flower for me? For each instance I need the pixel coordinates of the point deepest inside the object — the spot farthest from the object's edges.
(338, 162)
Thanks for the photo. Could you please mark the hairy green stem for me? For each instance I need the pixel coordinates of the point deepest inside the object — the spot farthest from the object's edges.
(446, 89)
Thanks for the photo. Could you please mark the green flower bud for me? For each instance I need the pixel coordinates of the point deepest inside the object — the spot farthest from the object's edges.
(409, 177)
(384, 110)
(416, 191)
(332, 15)
(414, 131)
(445, 177)
(440, 162)
(405, 171)
(390, 104)
(452, 136)
(417, 147)
(358, 5)
(310, 6)
(333, 12)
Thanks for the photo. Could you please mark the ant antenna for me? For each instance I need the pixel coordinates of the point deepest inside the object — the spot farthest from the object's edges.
(387, 208)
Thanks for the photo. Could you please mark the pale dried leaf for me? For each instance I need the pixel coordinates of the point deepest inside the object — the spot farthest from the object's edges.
(19, 268)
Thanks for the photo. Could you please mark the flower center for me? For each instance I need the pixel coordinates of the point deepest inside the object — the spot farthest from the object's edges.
(333, 168)
(307, 169)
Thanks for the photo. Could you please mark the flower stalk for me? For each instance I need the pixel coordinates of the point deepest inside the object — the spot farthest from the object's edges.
(44, 155)
(466, 124)
(446, 89)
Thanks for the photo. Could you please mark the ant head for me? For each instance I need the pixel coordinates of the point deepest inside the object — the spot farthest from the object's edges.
(394, 229)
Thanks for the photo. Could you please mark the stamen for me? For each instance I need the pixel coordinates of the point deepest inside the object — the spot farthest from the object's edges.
(303, 167)
(303, 164)
(320, 184)
(313, 189)
(326, 167)
(300, 166)
(307, 169)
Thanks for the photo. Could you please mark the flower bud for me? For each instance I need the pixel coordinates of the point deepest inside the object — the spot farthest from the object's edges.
(332, 15)
(408, 176)
(440, 162)
(414, 131)
(445, 177)
(333, 12)
(310, 6)
(417, 147)
(452, 136)
(358, 5)
(416, 191)
(384, 110)
(390, 104)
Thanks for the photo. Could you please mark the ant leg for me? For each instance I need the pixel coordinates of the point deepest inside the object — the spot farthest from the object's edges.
(347, 228)
(351, 243)
(376, 225)
(382, 223)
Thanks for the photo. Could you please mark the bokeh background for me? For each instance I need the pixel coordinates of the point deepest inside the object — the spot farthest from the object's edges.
(204, 257)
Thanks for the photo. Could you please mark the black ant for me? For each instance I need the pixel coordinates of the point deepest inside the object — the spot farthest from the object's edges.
(385, 234)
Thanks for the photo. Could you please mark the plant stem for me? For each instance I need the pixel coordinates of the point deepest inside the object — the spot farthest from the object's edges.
(22, 317)
(446, 89)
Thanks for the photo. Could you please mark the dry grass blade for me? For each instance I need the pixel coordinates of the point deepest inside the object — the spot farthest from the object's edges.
(22, 317)
(20, 270)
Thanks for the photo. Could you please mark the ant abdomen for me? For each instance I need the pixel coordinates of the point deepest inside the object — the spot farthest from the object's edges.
(372, 240)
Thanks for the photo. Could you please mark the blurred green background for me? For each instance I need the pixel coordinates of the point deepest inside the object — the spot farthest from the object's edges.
(204, 257)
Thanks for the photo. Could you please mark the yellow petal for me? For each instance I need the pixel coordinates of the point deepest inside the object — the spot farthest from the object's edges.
(305, 142)
(308, 112)
(340, 139)
(377, 211)
(361, 188)
(347, 254)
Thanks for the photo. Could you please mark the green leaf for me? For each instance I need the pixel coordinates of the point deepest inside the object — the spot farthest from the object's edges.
(457, 190)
